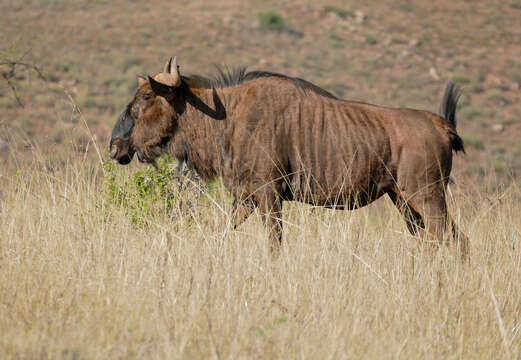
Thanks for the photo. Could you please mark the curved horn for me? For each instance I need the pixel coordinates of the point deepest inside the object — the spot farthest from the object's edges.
(170, 75)
(174, 71)
(168, 66)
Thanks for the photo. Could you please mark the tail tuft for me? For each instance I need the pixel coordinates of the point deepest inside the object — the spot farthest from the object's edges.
(457, 142)
(448, 106)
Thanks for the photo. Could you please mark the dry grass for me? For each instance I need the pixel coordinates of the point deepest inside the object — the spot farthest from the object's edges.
(79, 281)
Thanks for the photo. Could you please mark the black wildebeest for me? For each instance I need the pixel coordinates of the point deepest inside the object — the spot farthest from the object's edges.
(273, 137)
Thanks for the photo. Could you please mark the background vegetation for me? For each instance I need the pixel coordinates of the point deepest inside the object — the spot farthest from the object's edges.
(102, 261)
(397, 53)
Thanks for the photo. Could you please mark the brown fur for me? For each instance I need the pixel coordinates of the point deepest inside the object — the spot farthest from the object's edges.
(273, 138)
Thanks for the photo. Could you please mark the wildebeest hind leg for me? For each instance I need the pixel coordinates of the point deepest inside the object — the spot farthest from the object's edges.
(460, 240)
(428, 208)
(433, 209)
(431, 206)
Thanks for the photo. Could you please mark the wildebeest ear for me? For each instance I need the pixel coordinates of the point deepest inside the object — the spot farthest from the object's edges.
(141, 80)
(160, 89)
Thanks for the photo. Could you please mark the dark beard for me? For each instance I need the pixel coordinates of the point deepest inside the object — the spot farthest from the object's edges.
(151, 153)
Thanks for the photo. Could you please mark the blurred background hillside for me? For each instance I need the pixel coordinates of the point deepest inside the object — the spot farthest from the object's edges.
(398, 53)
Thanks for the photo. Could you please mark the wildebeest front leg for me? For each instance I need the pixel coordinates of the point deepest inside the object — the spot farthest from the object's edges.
(270, 206)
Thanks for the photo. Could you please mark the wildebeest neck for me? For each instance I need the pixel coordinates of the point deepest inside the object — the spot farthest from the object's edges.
(201, 129)
(218, 112)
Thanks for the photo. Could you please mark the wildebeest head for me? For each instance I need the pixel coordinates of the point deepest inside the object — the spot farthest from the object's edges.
(147, 124)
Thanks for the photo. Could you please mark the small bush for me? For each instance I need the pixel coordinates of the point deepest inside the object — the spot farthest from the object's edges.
(515, 5)
(271, 20)
(371, 40)
(147, 193)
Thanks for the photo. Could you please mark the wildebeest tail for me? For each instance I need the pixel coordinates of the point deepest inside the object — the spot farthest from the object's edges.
(448, 112)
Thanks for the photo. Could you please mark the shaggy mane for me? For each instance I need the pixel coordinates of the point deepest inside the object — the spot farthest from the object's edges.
(227, 77)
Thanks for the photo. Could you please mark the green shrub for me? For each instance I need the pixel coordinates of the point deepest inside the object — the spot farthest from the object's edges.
(371, 40)
(144, 195)
(271, 20)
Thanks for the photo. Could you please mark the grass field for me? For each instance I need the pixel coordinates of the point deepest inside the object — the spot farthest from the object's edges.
(79, 280)
(89, 273)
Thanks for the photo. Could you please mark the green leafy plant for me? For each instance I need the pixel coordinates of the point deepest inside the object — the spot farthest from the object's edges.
(147, 193)
(271, 20)
(371, 40)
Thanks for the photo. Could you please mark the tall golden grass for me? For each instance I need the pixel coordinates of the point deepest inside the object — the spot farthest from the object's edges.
(78, 280)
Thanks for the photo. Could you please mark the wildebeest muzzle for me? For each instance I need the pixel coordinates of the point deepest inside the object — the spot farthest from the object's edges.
(120, 150)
